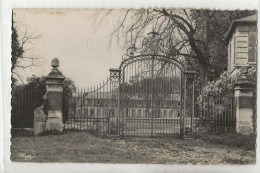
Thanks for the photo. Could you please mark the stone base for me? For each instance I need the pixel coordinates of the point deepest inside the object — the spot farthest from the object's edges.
(244, 94)
(245, 129)
(39, 122)
(54, 124)
(38, 127)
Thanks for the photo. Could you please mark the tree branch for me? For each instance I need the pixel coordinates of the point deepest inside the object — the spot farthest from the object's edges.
(18, 77)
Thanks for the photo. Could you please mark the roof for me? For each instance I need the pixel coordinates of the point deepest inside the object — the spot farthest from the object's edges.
(249, 19)
(252, 18)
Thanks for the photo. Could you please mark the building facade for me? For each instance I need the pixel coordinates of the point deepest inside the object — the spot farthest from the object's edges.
(242, 43)
(104, 104)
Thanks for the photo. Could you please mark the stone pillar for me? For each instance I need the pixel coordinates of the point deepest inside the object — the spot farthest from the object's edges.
(115, 76)
(54, 90)
(244, 96)
(187, 120)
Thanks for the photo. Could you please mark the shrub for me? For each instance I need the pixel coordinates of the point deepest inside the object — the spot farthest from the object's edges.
(217, 95)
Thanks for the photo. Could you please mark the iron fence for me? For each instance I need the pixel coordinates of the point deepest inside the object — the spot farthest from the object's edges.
(217, 112)
(144, 98)
(95, 109)
(25, 99)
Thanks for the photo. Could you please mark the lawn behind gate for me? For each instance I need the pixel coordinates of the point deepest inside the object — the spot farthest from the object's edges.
(83, 147)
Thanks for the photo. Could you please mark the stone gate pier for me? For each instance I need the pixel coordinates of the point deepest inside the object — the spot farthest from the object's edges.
(245, 104)
(51, 118)
(54, 89)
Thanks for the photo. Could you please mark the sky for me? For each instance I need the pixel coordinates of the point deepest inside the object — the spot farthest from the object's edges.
(79, 39)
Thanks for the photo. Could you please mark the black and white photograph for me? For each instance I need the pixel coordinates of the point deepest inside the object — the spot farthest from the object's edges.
(142, 86)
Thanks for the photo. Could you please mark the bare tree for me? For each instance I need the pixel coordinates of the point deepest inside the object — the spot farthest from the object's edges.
(194, 37)
(19, 47)
(174, 27)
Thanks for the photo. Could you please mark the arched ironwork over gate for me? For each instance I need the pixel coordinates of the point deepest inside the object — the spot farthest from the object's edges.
(156, 96)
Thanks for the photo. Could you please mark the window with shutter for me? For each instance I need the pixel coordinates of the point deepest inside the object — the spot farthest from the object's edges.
(98, 112)
(139, 112)
(133, 113)
(92, 112)
(252, 37)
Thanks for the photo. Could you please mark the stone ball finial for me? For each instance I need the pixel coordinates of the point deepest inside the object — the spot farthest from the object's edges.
(55, 63)
(244, 70)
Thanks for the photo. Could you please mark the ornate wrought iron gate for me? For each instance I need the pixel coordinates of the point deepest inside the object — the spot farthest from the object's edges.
(150, 94)
(146, 96)
(150, 97)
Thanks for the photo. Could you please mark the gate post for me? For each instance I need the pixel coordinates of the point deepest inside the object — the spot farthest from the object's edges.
(115, 76)
(244, 94)
(54, 90)
(187, 128)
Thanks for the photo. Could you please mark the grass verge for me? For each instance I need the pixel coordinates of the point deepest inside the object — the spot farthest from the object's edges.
(83, 147)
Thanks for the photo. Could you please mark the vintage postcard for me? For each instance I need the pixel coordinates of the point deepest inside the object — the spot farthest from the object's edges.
(147, 86)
